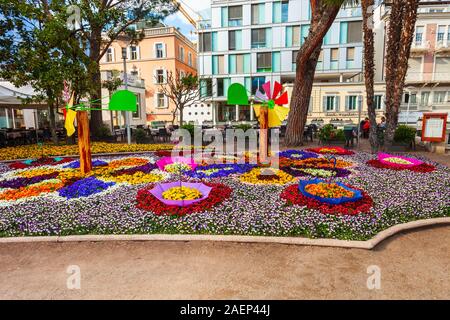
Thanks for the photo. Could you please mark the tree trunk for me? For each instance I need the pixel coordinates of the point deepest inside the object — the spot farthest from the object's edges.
(323, 16)
(52, 119)
(369, 70)
(95, 76)
(301, 96)
(181, 116)
(401, 27)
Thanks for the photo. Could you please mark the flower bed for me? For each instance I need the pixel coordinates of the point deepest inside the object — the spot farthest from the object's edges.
(266, 176)
(332, 150)
(39, 162)
(218, 170)
(31, 203)
(298, 154)
(304, 171)
(147, 201)
(293, 196)
(423, 168)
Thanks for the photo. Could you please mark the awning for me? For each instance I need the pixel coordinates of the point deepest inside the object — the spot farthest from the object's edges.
(10, 96)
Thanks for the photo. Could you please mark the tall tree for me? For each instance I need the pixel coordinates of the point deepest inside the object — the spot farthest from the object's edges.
(35, 50)
(323, 14)
(182, 90)
(400, 34)
(98, 23)
(369, 68)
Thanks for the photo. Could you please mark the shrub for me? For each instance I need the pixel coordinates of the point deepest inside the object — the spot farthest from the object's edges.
(244, 126)
(328, 133)
(103, 132)
(404, 134)
(189, 127)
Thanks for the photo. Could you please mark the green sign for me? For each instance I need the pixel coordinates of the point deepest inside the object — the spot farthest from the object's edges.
(237, 95)
(123, 100)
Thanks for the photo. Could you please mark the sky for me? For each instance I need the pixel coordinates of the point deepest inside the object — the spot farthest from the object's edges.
(179, 21)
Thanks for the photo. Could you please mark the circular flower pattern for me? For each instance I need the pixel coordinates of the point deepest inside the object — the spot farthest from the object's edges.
(293, 196)
(298, 154)
(421, 168)
(181, 193)
(332, 150)
(266, 176)
(147, 201)
(218, 170)
(84, 188)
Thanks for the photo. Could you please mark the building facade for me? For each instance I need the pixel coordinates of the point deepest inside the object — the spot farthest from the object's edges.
(251, 42)
(163, 50)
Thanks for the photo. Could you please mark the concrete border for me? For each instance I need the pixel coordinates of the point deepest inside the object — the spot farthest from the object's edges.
(368, 245)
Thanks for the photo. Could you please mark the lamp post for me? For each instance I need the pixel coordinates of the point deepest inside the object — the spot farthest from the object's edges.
(359, 117)
(123, 42)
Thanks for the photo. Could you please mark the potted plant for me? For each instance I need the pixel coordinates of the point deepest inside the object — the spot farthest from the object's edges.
(331, 136)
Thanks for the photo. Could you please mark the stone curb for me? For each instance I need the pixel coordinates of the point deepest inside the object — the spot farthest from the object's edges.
(368, 245)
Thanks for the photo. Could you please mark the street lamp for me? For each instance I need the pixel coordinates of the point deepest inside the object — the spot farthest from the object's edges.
(409, 105)
(124, 41)
(360, 102)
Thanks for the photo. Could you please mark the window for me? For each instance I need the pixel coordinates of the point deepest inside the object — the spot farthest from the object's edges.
(442, 68)
(264, 62)
(351, 103)
(205, 88)
(190, 59)
(419, 35)
(334, 58)
(257, 83)
(137, 114)
(424, 98)
(181, 53)
(412, 96)
(205, 42)
(159, 50)
(441, 33)
(280, 11)
(133, 53)
(160, 100)
(258, 38)
(284, 11)
(350, 54)
(354, 34)
(439, 96)
(235, 40)
(258, 11)
(235, 16)
(159, 76)
(239, 63)
(293, 36)
(294, 56)
(331, 103)
(109, 55)
(218, 64)
(378, 102)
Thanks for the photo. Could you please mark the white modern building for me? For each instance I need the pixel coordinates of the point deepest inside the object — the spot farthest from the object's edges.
(253, 41)
(198, 113)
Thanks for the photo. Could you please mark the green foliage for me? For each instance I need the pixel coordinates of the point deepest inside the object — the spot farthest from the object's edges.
(140, 135)
(244, 126)
(189, 127)
(328, 133)
(103, 132)
(404, 134)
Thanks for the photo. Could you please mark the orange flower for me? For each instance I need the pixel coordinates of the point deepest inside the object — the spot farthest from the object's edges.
(30, 191)
(328, 190)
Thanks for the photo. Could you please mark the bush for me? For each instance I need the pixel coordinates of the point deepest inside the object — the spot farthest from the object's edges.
(327, 133)
(404, 134)
(244, 126)
(140, 135)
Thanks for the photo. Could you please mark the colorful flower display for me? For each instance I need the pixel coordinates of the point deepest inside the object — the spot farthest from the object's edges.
(127, 162)
(297, 154)
(422, 168)
(39, 162)
(304, 171)
(266, 176)
(181, 193)
(332, 150)
(218, 170)
(117, 199)
(176, 164)
(147, 201)
(84, 188)
(334, 193)
(95, 163)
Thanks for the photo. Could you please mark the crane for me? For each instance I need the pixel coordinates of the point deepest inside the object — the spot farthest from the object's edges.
(185, 13)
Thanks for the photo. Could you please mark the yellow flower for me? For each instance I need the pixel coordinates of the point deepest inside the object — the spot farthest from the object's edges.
(181, 193)
(136, 178)
(266, 176)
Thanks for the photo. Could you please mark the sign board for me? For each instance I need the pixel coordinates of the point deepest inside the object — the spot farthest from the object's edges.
(123, 100)
(434, 126)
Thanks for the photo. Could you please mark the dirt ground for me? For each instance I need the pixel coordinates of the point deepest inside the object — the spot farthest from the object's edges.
(414, 265)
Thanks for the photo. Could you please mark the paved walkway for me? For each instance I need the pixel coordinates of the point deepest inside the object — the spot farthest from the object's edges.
(414, 265)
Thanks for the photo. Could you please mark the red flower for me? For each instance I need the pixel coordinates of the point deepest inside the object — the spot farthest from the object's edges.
(423, 168)
(293, 196)
(335, 150)
(146, 201)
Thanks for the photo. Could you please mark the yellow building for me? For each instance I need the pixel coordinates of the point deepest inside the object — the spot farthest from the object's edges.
(163, 50)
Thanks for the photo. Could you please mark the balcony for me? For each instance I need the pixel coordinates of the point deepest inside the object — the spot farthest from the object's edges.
(204, 24)
(420, 47)
(443, 47)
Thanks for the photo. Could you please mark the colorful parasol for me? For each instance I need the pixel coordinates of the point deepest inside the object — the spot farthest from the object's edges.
(274, 101)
